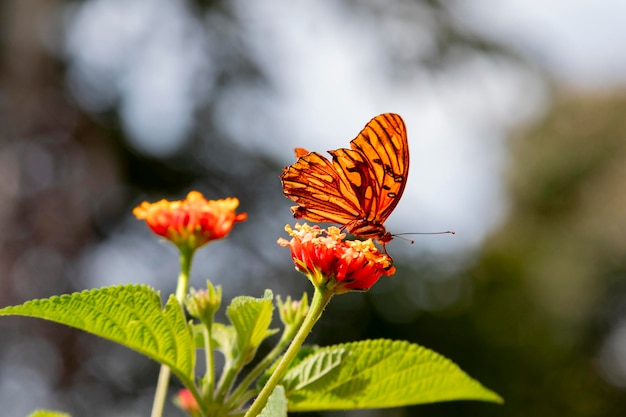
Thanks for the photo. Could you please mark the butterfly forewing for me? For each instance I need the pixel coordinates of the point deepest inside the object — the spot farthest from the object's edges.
(360, 187)
(384, 140)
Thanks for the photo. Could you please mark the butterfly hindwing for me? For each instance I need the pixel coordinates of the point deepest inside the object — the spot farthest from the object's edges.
(315, 185)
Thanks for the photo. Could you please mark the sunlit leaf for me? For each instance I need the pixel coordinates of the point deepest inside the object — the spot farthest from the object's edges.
(130, 315)
(251, 317)
(276, 404)
(311, 371)
(378, 374)
(287, 379)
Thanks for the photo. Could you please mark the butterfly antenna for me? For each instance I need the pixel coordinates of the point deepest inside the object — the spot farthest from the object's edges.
(401, 235)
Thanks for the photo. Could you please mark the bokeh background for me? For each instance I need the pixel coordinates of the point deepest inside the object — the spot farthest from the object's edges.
(517, 130)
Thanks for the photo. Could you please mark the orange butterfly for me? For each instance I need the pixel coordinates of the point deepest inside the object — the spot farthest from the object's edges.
(360, 187)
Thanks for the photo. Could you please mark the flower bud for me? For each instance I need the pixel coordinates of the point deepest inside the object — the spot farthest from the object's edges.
(186, 401)
(203, 304)
(292, 313)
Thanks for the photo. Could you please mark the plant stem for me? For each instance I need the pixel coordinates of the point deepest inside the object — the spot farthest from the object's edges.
(259, 368)
(161, 392)
(226, 381)
(210, 363)
(320, 300)
(158, 404)
(186, 255)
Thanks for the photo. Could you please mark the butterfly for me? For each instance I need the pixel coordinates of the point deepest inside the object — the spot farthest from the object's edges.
(360, 187)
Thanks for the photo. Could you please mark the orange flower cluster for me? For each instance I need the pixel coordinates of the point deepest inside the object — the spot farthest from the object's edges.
(193, 222)
(331, 261)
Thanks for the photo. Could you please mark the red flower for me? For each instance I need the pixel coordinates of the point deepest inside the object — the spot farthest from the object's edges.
(186, 401)
(192, 222)
(329, 260)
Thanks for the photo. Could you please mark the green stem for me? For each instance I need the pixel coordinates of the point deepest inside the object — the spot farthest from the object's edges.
(210, 363)
(259, 368)
(186, 254)
(320, 300)
(241, 400)
(226, 381)
(161, 392)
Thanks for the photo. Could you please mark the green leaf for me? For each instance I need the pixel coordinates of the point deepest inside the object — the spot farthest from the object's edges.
(224, 338)
(130, 315)
(276, 404)
(302, 353)
(46, 413)
(251, 317)
(314, 371)
(378, 374)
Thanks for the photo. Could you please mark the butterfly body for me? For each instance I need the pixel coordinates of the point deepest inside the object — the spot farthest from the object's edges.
(360, 186)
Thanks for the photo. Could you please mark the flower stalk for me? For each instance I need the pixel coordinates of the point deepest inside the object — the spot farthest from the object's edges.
(186, 255)
(203, 305)
(189, 224)
(321, 298)
(334, 266)
(292, 314)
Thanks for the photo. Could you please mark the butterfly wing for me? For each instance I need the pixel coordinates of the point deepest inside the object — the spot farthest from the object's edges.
(360, 187)
(319, 191)
(377, 165)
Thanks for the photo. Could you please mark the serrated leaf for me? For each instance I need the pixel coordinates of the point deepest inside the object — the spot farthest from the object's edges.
(46, 413)
(313, 371)
(251, 317)
(130, 315)
(302, 353)
(380, 374)
(276, 404)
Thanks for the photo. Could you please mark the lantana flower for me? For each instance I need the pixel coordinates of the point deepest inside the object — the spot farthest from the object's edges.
(330, 261)
(186, 401)
(193, 222)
